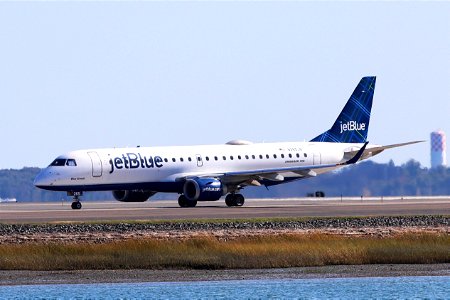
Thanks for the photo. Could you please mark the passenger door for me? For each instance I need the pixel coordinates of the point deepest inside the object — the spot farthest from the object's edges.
(97, 168)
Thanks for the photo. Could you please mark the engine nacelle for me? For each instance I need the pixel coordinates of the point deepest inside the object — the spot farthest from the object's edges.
(132, 196)
(204, 189)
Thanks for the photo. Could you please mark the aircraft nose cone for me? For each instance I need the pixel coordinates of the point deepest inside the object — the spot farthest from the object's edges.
(43, 179)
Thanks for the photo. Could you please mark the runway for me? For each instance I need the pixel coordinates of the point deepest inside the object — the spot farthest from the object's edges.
(254, 208)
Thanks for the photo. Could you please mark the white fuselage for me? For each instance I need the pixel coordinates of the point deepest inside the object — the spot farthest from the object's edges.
(160, 168)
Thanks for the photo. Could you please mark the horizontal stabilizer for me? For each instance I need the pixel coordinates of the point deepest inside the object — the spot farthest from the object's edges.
(371, 151)
(394, 146)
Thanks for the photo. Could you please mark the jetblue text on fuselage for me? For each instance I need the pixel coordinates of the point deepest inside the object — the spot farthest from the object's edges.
(352, 125)
(134, 161)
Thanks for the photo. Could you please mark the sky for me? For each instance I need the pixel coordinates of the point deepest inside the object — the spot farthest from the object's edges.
(80, 75)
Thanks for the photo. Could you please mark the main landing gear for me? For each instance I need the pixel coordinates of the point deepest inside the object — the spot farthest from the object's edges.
(234, 200)
(184, 202)
(76, 204)
(231, 200)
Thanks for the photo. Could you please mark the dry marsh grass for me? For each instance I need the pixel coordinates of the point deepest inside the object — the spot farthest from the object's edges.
(207, 252)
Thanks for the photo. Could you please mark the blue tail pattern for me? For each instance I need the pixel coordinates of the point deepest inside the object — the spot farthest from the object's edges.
(352, 125)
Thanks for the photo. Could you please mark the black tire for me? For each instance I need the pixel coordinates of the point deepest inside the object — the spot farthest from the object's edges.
(76, 205)
(229, 200)
(239, 200)
(184, 202)
(192, 203)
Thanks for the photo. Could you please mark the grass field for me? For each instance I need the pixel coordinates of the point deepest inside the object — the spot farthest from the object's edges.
(207, 252)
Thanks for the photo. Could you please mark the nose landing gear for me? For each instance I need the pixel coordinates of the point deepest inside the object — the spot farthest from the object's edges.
(76, 204)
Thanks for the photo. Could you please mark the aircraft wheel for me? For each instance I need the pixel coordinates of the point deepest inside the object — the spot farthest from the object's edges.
(192, 203)
(229, 200)
(184, 202)
(76, 205)
(234, 200)
(239, 200)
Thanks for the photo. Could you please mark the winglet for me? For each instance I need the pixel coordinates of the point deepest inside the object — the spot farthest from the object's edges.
(357, 156)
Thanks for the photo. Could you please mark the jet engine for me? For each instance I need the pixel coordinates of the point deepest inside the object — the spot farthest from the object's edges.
(132, 196)
(203, 189)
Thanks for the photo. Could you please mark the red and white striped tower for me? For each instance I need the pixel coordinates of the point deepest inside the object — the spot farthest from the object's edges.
(438, 148)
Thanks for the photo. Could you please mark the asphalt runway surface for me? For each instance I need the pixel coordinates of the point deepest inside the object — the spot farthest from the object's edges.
(32, 212)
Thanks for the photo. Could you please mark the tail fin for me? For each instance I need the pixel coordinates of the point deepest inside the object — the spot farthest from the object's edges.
(352, 125)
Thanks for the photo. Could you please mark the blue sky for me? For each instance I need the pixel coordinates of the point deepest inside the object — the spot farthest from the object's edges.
(77, 75)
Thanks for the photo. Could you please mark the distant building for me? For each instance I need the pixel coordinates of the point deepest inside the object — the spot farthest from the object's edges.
(438, 149)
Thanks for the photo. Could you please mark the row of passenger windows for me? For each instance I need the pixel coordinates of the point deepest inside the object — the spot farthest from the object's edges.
(216, 158)
(71, 162)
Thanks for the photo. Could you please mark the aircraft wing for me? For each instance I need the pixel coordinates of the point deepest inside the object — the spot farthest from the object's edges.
(252, 177)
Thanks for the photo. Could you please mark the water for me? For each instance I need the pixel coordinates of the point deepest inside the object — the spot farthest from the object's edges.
(425, 287)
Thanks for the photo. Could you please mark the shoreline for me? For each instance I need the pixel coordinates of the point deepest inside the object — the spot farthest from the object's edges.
(25, 277)
(101, 232)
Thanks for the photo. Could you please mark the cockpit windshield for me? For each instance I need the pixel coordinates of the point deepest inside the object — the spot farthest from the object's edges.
(59, 162)
(71, 162)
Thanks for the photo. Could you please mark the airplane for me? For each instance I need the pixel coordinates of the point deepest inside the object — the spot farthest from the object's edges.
(8, 200)
(208, 172)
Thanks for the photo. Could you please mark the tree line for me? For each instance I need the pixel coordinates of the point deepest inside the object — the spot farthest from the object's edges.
(364, 179)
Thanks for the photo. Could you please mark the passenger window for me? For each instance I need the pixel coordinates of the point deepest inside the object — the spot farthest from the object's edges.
(306, 155)
(267, 156)
(189, 159)
(260, 156)
(282, 155)
(239, 157)
(174, 160)
(298, 155)
(274, 156)
(224, 158)
(166, 160)
(290, 155)
(181, 159)
(253, 156)
(216, 158)
(246, 157)
(207, 158)
(231, 157)
(71, 163)
(58, 162)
